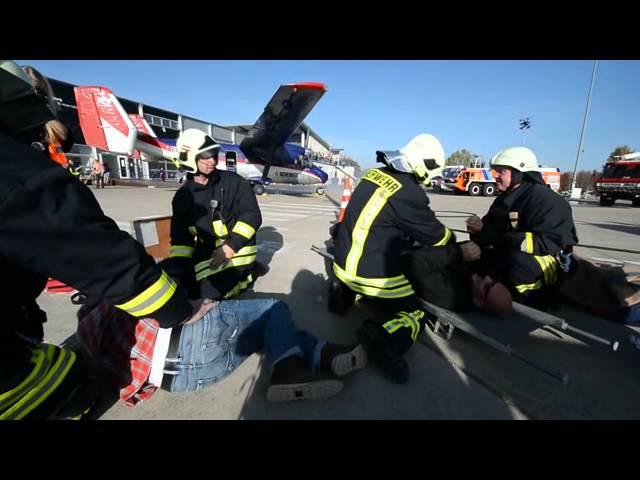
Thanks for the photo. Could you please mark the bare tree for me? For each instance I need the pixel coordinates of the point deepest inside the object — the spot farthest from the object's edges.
(619, 151)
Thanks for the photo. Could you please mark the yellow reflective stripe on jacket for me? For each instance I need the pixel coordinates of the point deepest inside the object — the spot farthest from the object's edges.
(387, 187)
(220, 228)
(398, 291)
(41, 366)
(525, 287)
(45, 387)
(244, 229)
(549, 266)
(527, 244)
(151, 299)
(181, 251)
(391, 282)
(383, 180)
(445, 238)
(361, 230)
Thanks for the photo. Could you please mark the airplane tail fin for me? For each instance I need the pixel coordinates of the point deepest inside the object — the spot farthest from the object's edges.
(106, 125)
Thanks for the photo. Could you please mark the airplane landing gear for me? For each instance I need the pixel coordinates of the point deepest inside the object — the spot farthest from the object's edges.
(258, 189)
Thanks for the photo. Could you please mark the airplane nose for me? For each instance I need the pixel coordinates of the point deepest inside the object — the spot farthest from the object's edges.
(320, 173)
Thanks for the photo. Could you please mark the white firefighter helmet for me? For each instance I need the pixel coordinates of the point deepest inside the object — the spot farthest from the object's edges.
(14, 69)
(518, 158)
(22, 108)
(423, 156)
(191, 143)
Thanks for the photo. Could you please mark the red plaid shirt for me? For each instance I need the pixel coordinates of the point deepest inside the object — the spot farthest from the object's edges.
(123, 346)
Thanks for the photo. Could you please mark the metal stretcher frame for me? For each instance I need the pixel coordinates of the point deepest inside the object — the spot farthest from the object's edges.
(501, 334)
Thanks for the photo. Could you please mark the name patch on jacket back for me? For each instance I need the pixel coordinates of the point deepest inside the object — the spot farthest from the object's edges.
(384, 181)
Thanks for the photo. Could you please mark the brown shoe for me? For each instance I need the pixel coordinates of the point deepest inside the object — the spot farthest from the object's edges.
(343, 359)
(291, 380)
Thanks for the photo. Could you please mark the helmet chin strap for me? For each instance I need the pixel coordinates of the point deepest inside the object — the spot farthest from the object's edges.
(208, 175)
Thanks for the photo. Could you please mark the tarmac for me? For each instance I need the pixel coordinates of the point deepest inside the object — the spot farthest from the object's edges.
(461, 378)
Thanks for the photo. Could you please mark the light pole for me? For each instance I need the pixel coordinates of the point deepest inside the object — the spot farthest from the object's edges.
(584, 126)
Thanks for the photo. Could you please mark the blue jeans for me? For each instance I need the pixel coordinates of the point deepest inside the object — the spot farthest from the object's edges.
(212, 348)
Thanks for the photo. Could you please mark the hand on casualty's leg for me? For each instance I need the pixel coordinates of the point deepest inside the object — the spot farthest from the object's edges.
(474, 224)
(200, 309)
(470, 251)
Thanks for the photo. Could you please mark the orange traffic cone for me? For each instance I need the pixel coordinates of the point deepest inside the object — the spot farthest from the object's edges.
(55, 286)
(346, 196)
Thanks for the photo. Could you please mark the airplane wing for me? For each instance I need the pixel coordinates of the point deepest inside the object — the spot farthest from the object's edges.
(281, 117)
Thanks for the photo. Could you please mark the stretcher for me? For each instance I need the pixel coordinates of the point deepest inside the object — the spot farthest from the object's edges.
(501, 334)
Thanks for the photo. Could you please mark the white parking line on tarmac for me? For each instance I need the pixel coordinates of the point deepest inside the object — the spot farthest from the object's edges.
(298, 206)
(614, 261)
(283, 214)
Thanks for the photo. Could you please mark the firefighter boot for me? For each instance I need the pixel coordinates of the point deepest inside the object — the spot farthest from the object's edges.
(341, 297)
(383, 352)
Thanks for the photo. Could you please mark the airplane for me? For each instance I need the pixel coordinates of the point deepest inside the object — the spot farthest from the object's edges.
(263, 157)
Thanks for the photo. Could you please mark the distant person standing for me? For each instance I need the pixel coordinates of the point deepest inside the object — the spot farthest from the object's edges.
(98, 172)
(106, 175)
(163, 175)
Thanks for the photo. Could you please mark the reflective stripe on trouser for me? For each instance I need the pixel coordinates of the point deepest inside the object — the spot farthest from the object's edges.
(181, 251)
(403, 319)
(244, 256)
(534, 272)
(151, 299)
(47, 374)
(240, 287)
(392, 287)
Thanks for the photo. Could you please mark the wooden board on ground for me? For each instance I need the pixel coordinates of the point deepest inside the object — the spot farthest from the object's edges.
(154, 233)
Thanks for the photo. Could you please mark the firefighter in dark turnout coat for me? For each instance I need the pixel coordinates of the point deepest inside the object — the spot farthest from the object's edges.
(387, 214)
(526, 230)
(52, 226)
(214, 224)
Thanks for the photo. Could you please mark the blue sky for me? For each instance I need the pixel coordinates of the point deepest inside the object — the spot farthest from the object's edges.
(382, 104)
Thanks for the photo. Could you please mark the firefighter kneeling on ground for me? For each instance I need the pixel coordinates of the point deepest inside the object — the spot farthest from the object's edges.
(214, 224)
(528, 233)
(52, 225)
(388, 212)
